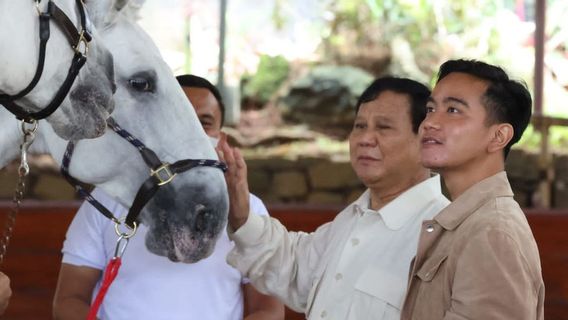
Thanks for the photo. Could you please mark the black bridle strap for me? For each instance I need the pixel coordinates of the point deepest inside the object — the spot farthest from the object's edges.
(78, 62)
(75, 37)
(68, 27)
(161, 174)
(77, 184)
(152, 184)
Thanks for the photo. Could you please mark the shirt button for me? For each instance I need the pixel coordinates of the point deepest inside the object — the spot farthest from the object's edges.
(323, 314)
(338, 276)
(429, 228)
(354, 241)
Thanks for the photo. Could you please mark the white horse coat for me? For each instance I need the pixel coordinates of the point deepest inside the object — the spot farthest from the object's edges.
(151, 105)
(84, 111)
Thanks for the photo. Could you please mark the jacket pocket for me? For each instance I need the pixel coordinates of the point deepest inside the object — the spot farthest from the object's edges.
(430, 267)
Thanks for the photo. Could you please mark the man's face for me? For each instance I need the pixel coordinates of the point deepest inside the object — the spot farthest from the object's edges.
(454, 133)
(207, 109)
(383, 148)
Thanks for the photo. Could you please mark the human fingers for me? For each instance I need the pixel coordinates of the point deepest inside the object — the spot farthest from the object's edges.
(5, 292)
(240, 161)
(218, 147)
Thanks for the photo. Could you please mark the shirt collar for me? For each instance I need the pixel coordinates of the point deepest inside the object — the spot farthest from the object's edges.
(404, 207)
(473, 198)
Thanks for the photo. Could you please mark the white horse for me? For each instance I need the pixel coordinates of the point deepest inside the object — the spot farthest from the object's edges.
(83, 112)
(186, 216)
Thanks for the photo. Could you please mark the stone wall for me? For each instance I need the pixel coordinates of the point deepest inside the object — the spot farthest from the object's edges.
(306, 180)
(320, 181)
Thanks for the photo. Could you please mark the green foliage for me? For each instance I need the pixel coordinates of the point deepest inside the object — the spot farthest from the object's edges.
(531, 140)
(433, 30)
(277, 15)
(270, 74)
(559, 139)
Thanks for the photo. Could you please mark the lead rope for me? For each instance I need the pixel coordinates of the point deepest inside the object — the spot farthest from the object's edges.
(111, 270)
(23, 170)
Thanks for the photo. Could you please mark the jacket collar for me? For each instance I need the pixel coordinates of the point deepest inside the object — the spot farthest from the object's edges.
(472, 199)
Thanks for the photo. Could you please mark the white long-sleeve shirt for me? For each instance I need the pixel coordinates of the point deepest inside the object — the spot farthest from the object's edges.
(355, 267)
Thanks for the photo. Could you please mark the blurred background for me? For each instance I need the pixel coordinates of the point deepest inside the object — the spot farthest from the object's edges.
(290, 72)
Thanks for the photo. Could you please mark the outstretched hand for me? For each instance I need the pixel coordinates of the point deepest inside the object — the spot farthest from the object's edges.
(237, 185)
(5, 292)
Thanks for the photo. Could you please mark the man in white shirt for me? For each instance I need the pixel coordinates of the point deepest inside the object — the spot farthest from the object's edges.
(149, 286)
(355, 267)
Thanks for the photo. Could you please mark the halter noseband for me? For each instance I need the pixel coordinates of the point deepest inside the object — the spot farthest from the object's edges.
(78, 39)
(161, 173)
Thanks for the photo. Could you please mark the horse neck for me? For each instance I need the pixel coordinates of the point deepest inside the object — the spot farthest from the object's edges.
(18, 32)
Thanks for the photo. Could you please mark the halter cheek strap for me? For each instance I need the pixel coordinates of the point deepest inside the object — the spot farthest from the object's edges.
(161, 173)
(78, 39)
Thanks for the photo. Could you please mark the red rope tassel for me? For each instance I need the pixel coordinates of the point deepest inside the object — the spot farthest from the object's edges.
(110, 273)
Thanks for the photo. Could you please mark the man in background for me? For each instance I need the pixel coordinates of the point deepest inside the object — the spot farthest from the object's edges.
(149, 286)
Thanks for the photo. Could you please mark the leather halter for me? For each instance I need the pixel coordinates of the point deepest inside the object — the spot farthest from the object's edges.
(78, 39)
(161, 173)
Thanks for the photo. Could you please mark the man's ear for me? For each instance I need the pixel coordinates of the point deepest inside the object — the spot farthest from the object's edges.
(502, 134)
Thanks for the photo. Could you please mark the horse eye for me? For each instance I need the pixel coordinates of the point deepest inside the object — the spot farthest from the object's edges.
(141, 84)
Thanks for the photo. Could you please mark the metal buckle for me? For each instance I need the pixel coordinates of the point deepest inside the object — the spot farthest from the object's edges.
(38, 8)
(85, 47)
(129, 233)
(163, 174)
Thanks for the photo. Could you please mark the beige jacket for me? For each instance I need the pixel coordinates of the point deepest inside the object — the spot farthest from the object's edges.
(477, 260)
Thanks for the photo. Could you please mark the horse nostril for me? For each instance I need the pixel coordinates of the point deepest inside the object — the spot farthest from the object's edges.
(202, 215)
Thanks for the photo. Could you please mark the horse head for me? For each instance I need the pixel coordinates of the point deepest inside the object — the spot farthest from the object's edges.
(83, 112)
(186, 216)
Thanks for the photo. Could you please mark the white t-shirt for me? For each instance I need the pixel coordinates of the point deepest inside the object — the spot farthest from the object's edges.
(150, 286)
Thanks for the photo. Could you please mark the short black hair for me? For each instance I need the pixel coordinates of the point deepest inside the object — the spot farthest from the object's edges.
(193, 81)
(505, 100)
(417, 93)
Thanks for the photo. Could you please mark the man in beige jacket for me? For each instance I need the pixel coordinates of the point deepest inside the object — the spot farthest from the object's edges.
(477, 259)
